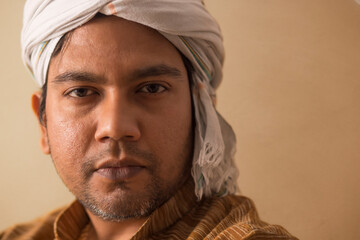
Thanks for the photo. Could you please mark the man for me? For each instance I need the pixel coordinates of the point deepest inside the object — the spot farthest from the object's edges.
(126, 112)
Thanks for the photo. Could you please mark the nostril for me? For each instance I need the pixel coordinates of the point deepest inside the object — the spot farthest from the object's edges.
(129, 137)
(117, 134)
(103, 138)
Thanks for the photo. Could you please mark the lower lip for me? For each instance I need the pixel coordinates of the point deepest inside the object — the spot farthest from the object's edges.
(119, 173)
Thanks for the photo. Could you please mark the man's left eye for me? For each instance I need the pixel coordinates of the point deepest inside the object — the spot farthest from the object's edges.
(153, 88)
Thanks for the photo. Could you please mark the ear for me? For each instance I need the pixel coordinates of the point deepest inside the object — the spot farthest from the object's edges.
(35, 104)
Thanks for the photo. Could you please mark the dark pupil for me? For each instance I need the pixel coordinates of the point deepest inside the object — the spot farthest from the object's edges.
(153, 88)
(81, 92)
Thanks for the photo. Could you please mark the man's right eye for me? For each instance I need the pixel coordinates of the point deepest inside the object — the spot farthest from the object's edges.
(80, 92)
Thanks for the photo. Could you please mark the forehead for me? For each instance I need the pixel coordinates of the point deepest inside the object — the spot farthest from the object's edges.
(109, 41)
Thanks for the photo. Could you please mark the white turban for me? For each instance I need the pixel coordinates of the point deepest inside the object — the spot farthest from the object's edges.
(184, 23)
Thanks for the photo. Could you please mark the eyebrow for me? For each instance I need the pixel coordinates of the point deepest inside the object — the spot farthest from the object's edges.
(152, 71)
(78, 76)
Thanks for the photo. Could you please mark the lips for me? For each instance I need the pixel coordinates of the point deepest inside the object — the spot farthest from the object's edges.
(119, 170)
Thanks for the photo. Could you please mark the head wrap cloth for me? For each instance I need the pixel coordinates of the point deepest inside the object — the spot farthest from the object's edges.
(189, 27)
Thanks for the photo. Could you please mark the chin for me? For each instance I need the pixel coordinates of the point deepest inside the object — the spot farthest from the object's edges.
(124, 204)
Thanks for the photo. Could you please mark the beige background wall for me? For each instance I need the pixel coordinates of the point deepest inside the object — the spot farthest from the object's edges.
(291, 92)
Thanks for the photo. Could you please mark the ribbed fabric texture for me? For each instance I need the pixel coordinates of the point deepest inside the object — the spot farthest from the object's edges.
(182, 217)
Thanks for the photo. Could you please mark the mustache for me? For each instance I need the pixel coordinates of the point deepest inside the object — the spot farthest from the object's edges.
(129, 149)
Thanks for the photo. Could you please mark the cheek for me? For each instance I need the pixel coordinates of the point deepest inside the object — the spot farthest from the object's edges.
(69, 139)
(171, 136)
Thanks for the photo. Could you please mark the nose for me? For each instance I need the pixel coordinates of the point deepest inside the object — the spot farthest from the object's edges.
(117, 120)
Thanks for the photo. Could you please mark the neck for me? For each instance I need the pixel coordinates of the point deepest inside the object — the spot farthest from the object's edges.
(108, 230)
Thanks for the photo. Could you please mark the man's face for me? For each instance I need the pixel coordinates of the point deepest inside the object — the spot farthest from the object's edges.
(118, 118)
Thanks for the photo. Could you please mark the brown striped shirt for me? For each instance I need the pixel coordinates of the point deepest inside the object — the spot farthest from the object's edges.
(182, 217)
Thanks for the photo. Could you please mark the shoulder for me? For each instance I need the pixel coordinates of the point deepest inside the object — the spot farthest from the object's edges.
(40, 228)
(237, 218)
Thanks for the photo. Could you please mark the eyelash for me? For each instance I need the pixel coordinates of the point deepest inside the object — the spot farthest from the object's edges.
(141, 90)
(158, 85)
(73, 91)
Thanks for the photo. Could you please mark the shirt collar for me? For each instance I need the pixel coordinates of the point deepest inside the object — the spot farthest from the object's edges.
(70, 222)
